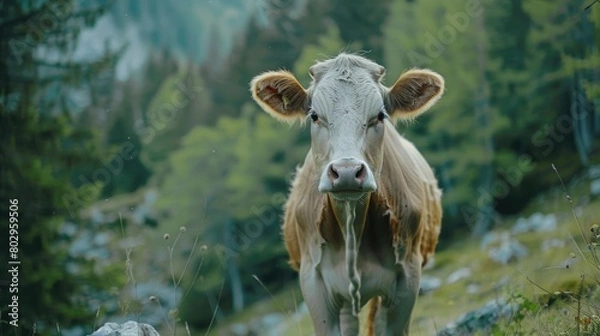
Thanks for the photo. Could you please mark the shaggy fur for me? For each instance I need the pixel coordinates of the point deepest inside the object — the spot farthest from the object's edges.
(399, 222)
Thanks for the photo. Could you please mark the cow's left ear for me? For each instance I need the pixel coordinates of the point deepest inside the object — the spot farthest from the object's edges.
(280, 94)
(414, 93)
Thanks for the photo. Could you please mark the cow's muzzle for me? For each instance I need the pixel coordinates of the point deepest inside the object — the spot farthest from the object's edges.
(347, 175)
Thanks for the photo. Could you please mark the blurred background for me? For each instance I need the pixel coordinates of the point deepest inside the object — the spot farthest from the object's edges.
(150, 186)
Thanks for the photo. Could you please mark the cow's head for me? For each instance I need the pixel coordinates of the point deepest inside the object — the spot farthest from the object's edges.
(347, 107)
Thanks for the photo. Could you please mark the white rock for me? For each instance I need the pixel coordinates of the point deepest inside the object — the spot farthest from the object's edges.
(129, 328)
(459, 274)
(481, 320)
(429, 283)
(594, 172)
(239, 329)
(473, 288)
(595, 187)
(535, 223)
(268, 321)
(488, 239)
(552, 244)
(509, 250)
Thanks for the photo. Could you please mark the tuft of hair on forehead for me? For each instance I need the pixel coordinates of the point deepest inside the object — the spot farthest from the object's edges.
(344, 63)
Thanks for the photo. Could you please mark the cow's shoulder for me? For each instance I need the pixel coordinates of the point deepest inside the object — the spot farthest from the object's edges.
(302, 212)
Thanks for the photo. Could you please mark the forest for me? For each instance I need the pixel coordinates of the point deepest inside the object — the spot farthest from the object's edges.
(150, 186)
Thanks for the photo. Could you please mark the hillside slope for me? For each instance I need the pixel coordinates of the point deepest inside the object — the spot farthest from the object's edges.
(547, 271)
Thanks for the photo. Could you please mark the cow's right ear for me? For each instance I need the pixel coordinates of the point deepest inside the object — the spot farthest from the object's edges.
(280, 94)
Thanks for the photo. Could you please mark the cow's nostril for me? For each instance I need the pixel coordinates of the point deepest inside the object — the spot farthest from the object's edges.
(361, 174)
(333, 173)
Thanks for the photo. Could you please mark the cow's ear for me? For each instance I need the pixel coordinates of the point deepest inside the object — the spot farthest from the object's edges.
(414, 93)
(280, 94)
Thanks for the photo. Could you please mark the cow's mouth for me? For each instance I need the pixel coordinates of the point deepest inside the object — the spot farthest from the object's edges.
(349, 195)
(347, 178)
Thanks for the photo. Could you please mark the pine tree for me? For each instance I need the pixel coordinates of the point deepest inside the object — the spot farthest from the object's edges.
(223, 181)
(457, 136)
(42, 154)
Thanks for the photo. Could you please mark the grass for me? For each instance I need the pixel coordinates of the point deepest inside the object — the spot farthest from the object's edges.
(556, 270)
(558, 289)
(547, 285)
(284, 302)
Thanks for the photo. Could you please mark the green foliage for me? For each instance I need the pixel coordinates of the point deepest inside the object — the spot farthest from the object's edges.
(38, 178)
(525, 308)
(488, 144)
(328, 45)
(453, 136)
(226, 181)
(44, 162)
(134, 174)
(225, 165)
(361, 24)
(513, 73)
(174, 109)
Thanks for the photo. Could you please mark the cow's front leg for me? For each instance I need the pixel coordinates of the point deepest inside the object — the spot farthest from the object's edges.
(399, 311)
(324, 312)
(348, 322)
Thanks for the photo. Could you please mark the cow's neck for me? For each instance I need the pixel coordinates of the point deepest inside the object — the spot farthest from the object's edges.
(350, 214)
(333, 221)
(351, 217)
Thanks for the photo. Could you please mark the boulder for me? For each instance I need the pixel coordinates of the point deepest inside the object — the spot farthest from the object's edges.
(129, 328)
(481, 320)
(508, 250)
(537, 222)
(489, 239)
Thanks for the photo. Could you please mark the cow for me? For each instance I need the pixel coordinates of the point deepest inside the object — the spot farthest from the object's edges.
(364, 211)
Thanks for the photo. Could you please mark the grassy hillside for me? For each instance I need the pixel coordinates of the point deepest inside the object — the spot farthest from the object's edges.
(556, 286)
(547, 282)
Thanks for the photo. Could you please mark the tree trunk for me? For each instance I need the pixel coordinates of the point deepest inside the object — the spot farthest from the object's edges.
(596, 112)
(445, 181)
(233, 272)
(580, 108)
(579, 116)
(484, 135)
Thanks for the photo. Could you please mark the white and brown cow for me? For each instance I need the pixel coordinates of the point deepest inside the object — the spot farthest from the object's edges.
(364, 211)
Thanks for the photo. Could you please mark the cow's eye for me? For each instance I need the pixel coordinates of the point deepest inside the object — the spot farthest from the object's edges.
(314, 116)
(378, 120)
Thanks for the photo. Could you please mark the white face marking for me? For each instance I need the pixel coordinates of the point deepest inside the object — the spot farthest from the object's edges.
(347, 131)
